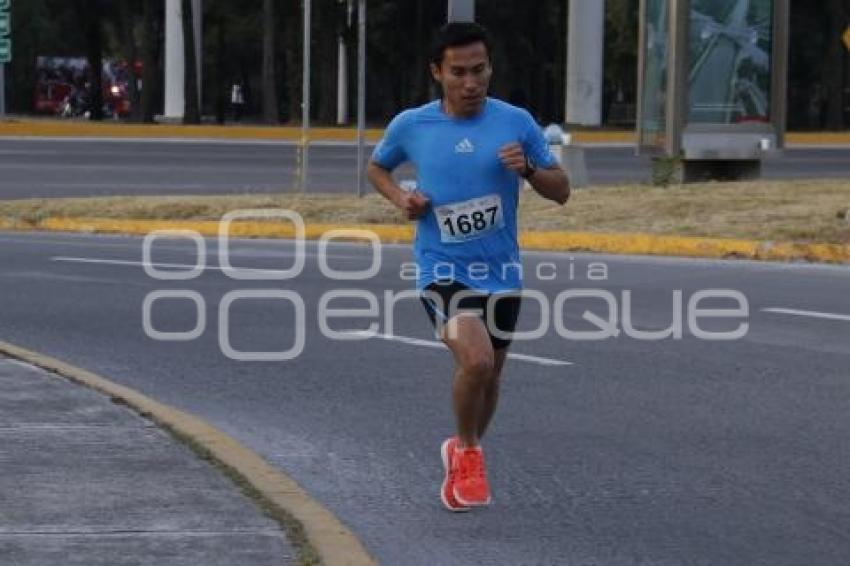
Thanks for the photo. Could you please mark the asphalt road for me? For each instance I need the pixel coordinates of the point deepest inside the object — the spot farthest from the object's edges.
(37, 168)
(678, 451)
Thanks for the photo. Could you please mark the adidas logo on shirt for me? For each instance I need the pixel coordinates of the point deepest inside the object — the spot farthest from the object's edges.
(464, 146)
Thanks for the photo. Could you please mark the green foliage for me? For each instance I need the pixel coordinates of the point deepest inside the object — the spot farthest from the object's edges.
(621, 39)
(529, 53)
(666, 170)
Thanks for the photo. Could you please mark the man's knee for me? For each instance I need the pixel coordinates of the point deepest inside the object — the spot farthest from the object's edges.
(479, 364)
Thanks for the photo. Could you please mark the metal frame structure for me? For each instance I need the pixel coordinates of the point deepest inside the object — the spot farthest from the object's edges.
(705, 143)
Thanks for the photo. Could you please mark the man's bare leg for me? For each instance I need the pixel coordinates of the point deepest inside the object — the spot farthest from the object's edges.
(467, 338)
(491, 394)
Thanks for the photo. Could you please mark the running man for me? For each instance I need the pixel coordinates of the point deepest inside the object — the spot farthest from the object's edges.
(471, 153)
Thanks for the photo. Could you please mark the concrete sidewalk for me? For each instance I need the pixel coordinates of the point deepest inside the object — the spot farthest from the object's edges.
(87, 482)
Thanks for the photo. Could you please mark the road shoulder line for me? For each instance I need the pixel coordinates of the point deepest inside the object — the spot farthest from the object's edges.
(332, 540)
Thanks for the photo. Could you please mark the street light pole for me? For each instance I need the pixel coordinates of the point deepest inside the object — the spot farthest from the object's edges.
(342, 67)
(175, 77)
(198, 27)
(361, 92)
(305, 103)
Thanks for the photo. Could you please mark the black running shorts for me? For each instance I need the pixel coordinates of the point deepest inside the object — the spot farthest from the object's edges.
(505, 310)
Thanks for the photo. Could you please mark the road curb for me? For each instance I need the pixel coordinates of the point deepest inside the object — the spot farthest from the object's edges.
(334, 543)
(612, 243)
(77, 128)
(81, 129)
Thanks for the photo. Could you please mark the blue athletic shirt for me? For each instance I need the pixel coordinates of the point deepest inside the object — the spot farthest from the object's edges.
(472, 221)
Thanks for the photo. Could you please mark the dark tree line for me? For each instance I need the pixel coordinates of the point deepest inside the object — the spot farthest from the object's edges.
(257, 44)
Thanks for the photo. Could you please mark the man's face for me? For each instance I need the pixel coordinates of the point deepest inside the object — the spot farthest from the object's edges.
(465, 76)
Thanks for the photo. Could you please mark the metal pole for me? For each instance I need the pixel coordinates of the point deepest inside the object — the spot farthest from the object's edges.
(175, 63)
(341, 83)
(305, 103)
(779, 83)
(361, 92)
(2, 90)
(342, 68)
(586, 25)
(640, 114)
(198, 27)
(677, 82)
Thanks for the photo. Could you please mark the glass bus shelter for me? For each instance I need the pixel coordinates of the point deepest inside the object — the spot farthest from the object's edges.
(713, 76)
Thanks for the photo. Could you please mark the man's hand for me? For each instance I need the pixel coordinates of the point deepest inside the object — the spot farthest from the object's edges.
(550, 182)
(513, 158)
(413, 204)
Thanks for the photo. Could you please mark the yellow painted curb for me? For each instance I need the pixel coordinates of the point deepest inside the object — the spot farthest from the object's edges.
(75, 128)
(68, 128)
(818, 138)
(78, 128)
(622, 244)
(389, 234)
(652, 244)
(331, 539)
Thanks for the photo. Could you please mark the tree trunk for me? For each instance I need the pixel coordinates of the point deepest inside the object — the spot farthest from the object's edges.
(191, 112)
(94, 37)
(325, 39)
(420, 74)
(221, 85)
(293, 61)
(270, 104)
(127, 25)
(834, 65)
(150, 61)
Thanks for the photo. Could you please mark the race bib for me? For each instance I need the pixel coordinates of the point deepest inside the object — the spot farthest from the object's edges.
(470, 219)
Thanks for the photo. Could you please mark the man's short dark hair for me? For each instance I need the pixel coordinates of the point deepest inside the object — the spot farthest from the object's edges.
(459, 34)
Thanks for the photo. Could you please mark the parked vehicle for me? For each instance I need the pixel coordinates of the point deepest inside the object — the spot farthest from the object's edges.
(63, 87)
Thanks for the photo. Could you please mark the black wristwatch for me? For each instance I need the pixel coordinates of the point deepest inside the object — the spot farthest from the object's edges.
(530, 168)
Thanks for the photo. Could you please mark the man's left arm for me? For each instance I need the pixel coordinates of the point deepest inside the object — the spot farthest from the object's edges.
(550, 182)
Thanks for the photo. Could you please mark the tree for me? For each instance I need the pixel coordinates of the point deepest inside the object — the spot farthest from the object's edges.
(270, 101)
(293, 35)
(325, 29)
(192, 112)
(620, 71)
(833, 68)
(127, 18)
(91, 13)
(529, 54)
(151, 70)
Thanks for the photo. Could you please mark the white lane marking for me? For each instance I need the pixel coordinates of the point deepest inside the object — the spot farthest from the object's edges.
(185, 266)
(122, 186)
(190, 266)
(810, 314)
(440, 345)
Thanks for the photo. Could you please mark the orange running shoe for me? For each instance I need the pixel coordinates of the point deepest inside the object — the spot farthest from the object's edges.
(447, 490)
(470, 485)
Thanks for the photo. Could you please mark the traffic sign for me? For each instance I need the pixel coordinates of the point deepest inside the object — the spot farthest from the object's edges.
(5, 24)
(5, 50)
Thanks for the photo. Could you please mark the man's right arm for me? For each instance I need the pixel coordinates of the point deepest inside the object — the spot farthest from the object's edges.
(384, 183)
(389, 154)
(412, 203)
